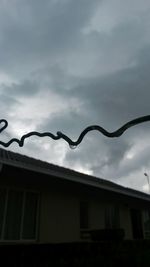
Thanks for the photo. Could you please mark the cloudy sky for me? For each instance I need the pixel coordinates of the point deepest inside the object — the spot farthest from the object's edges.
(67, 64)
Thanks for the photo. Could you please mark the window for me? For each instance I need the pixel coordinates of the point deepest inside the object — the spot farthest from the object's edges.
(112, 218)
(2, 208)
(84, 215)
(136, 223)
(18, 214)
(13, 215)
(146, 221)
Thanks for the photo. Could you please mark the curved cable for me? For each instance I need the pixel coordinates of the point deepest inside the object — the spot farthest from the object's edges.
(72, 143)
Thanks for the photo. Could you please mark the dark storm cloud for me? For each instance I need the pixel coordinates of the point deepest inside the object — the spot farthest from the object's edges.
(141, 160)
(32, 31)
(8, 100)
(118, 97)
(128, 98)
(63, 74)
(25, 88)
(109, 101)
(7, 104)
(98, 153)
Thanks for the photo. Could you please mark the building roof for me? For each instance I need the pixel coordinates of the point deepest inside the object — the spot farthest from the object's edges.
(25, 162)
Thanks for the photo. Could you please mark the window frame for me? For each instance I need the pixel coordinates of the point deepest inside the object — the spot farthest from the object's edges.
(20, 240)
(84, 215)
(146, 220)
(112, 216)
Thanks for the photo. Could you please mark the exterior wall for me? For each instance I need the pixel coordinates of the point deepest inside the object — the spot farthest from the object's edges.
(59, 218)
(97, 215)
(125, 221)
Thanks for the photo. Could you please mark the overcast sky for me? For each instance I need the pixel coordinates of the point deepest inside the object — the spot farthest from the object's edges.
(67, 64)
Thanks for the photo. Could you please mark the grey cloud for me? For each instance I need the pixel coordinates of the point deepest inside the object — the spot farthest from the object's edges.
(41, 31)
(119, 97)
(109, 101)
(117, 150)
(55, 78)
(98, 153)
(7, 107)
(25, 88)
(140, 161)
(43, 45)
(8, 100)
(7, 104)
(70, 123)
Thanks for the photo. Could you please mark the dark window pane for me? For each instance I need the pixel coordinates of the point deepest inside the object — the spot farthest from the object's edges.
(108, 221)
(112, 218)
(146, 221)
(30, 215)
(13, 215)
(2, 207)
(136, 223)
(84, 215)
(115, 217)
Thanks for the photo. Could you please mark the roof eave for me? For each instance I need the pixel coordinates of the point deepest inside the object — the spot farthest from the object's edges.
(78, 179)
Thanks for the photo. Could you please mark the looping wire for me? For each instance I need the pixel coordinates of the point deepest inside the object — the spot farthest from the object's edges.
(60, 135)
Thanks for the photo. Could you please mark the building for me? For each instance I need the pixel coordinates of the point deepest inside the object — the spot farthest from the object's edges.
(44, 203)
